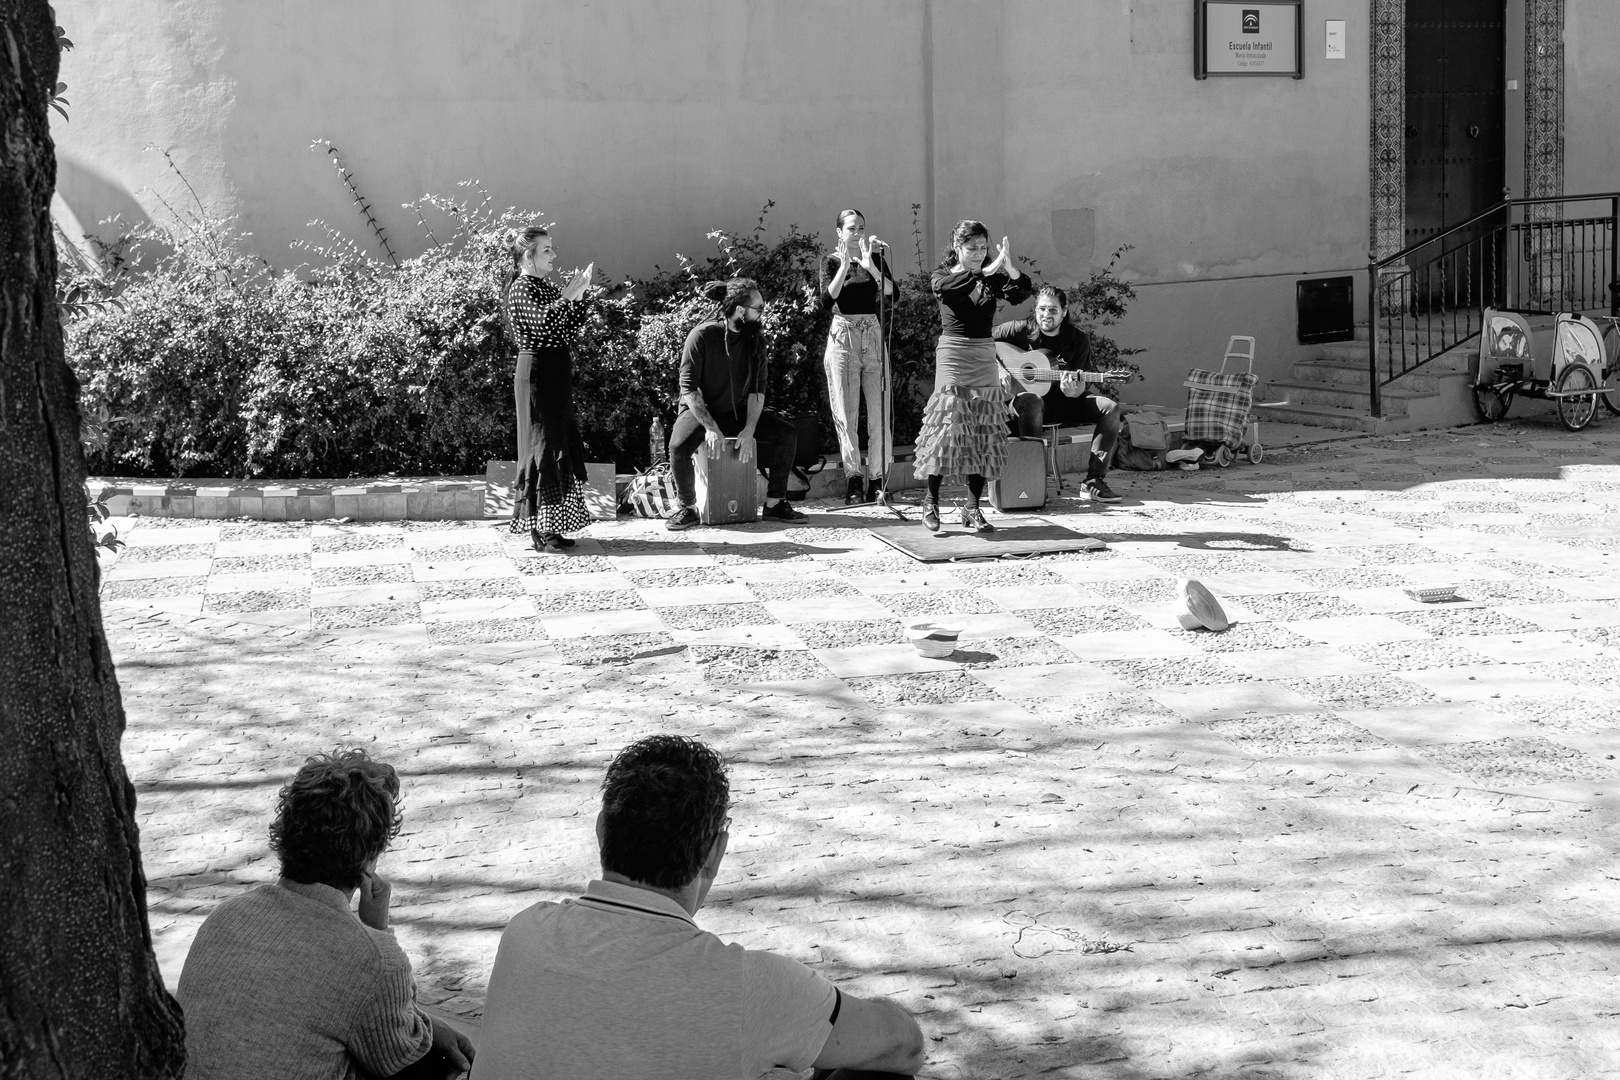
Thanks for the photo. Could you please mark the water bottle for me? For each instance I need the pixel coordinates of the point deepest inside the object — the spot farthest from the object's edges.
(656, 442)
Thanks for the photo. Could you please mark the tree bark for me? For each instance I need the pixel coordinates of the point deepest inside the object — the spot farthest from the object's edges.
(80, 994)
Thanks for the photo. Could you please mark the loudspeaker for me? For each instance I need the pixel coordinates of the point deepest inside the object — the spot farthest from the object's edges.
(1022, 485)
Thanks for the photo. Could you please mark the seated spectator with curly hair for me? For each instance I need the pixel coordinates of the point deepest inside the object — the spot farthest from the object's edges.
(284, 980)
(621, 982)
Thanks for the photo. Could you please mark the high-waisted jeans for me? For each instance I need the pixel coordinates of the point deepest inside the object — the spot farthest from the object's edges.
(856, 365)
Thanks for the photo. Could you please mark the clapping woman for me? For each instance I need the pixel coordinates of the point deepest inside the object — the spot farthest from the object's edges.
(543, 320)
(964, 429)
(857, 287)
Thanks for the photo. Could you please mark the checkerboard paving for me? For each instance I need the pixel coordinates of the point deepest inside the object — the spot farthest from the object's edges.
(1073, 690)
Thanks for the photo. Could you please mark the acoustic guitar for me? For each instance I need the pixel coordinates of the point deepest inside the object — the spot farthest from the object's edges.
(1033, 373)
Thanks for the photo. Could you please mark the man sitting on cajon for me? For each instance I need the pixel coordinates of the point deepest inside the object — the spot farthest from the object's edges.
(723, 378)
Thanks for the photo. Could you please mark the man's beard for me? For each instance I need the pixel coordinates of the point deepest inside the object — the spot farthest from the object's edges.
(749, 330)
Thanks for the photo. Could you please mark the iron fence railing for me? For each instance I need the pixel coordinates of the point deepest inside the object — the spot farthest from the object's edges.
(1531, 256)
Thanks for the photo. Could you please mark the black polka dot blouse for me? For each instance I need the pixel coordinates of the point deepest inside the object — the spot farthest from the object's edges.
(541, 318)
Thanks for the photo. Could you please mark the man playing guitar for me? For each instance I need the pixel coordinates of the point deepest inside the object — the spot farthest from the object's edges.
(1068, 349)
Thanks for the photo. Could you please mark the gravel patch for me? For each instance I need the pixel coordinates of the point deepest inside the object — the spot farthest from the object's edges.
(358, 615)
(389, 574)
(1450, 622)
(1395, 554)
(1524, 568)
(1508, 592)
(258, 564)
(832, 537)
(459, 553)
(1143, 591)
(803, 589)
(484, 631)
(151, 588)
(848, 635)
(1288, 606)
(739, 554)
(358, 540)
(1482, 506)
(616, 648)
(922, 688)
(1518, 761)
(559, 601)
(1586, 714)
(714, 616)
(1360, 691)
(1083, 620)
(1350, 578)
(1193, 566)
(470, 589)
(1017, 574)
(1300, 733)
(1604, 674)
(165, 551)
(727, 664)
(1011, 652)
(1608, 636)
(690, 575)
(1413, 520)
(564, 564)
(1246, 636)
(1176, 671)
(874, 567)
(268, 600)
(1415, 655)
(259, 530)
(936, 602)
(1123, 710)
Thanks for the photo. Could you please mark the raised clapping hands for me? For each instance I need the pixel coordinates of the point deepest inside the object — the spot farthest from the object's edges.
(1002, 261)
(579, 283)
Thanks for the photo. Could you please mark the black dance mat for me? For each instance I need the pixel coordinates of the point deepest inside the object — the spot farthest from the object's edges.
(955, 544)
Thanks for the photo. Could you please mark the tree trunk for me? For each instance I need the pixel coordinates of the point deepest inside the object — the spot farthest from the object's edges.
(80, 994)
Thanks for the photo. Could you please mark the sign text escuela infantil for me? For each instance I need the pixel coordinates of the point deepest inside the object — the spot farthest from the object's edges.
(1248, 37)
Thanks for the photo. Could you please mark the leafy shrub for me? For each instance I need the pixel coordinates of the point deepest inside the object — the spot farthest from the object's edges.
(207, 363)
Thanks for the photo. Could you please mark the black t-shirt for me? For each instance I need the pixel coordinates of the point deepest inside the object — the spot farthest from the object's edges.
(859, 295)
(1070, 347)
(967, 299)
(722, 366)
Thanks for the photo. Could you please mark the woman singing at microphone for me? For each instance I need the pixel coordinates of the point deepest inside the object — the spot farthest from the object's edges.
(857, 287)
(964, 429)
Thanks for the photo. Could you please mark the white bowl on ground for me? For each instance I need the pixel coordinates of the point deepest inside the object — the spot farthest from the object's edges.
(932, 638)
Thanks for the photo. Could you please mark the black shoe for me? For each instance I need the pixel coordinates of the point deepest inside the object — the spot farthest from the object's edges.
(562, 541)
(875, 492)
(852, 491)
(931, 516)
(1099, 490)
(973, 518)
(782, 510)
(684, 518)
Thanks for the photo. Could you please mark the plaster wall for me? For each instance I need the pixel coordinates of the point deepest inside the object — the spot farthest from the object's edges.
(1592, 96)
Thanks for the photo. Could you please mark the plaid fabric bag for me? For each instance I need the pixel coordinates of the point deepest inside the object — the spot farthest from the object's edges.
(651, 494)
(1218, 405)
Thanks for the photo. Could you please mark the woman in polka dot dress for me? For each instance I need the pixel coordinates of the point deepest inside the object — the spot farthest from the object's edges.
(548, 495)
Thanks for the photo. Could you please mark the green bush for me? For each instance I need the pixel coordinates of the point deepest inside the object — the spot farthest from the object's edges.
(208, 364)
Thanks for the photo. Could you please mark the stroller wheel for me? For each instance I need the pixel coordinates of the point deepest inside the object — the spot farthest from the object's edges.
(1257, 453)
(1223, 456)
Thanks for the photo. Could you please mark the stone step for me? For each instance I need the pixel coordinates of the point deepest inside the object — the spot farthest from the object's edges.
(1348, 375)
(1322, 416)
(1339, 397)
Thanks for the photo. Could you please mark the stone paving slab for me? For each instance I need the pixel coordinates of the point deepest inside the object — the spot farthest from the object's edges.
(1333, 841)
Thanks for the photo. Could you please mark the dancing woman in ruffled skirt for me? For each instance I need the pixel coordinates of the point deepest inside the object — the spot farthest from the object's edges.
(964, 430)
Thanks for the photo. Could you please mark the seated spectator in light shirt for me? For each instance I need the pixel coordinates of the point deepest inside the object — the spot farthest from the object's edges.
(621, 982)
(284, 981)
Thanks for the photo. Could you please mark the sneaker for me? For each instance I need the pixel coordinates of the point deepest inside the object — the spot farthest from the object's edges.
(782, 510)
(875, 492)
(1099, 490)
(1186, 453)
(931, 516)
(852, 491)
(973, 518)
(684, 518)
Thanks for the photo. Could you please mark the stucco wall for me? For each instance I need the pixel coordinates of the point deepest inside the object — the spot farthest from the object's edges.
(638, 125)
(1592, 95)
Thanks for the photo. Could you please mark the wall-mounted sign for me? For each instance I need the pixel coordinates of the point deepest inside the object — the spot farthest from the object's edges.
(1334, 34)
(1248, 37)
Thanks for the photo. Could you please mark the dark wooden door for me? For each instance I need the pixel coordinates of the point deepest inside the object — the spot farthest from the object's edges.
(1455, 65)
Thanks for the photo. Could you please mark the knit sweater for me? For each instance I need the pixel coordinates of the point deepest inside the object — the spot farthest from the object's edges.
(284, 981)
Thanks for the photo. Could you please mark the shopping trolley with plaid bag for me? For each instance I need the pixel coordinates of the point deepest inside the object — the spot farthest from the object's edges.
(1218, 408)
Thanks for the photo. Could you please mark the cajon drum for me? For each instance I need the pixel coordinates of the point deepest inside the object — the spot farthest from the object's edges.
(727, 487)
(1022, 485)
